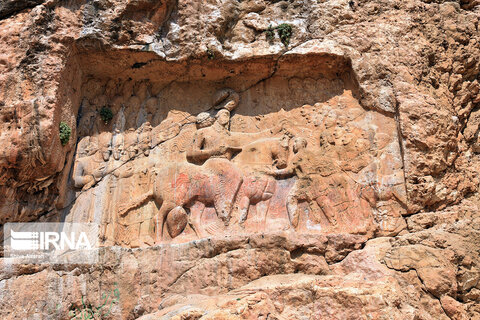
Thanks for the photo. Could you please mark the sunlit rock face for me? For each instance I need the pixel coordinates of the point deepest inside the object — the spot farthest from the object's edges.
(239, 172)
(183, 160)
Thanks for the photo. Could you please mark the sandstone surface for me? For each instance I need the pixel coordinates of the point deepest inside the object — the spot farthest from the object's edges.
(238, 171)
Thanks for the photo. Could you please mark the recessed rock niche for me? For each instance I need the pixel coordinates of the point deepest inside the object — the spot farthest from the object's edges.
(260, 146)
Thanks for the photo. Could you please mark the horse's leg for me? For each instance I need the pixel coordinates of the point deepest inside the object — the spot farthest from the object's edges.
(292, 206)
(243, 205)
(223, 201)
(229, 181)
(160, 217)
(267, 196)
(194, 220)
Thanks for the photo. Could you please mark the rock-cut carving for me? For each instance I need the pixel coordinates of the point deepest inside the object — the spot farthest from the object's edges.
(226, 99)
(256, 159)
(89, 170)
(211, 178)
(271, 165)
(213, 141)
(178, 187)
(324, 185)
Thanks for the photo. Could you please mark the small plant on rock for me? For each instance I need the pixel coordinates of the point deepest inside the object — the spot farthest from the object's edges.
(106, 114)
(65, 132)
(88, 311)
(270, 33)
(285, 33)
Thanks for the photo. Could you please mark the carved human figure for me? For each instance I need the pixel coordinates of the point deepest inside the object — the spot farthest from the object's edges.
(91, 169)
(83, 147)
(213, 141)
(82, 171)
(176, 219)
(145, 139)
(300, 188)
(214, 179)
(118, 171)
(217, 141)
(257, 157)
(323, 184)
(118, 147)
(215, 144)
(118, 167)
(131, 143)
(181, 187)
(256, 186)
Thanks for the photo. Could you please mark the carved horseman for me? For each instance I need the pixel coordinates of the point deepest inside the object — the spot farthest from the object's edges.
(212, 180)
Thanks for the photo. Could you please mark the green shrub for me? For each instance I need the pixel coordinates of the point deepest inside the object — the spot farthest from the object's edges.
(106, 114)
(270, 33)
(65, 132)
(89, 311)
(285, 33)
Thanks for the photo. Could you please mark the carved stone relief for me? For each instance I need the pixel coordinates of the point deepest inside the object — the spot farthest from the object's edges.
(196, 160)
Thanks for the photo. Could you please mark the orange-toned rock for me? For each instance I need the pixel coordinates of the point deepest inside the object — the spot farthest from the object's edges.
(239, 171)
(431, 265)
(453, 308)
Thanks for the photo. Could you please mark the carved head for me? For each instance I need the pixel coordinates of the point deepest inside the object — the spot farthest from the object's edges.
(347, 138)
(280, 160)
(226, 99)
(284, 141)
(131, 141)
(83, 147)
(92, 147)
(326, 139)
(330, 119)
(117, 146)
(145, 140)
(204, 119)
(338, 132)
(104, 144)
(299, 144)
(223, 117)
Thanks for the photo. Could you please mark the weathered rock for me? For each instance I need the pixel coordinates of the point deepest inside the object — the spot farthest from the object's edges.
(453, 308)
(434, 270)
(332, 173)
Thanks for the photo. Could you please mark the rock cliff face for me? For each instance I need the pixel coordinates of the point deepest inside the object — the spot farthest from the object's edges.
(251, 159)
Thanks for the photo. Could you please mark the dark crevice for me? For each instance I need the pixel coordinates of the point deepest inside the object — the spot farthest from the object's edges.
(9, 8)
(138, 65)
